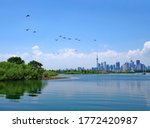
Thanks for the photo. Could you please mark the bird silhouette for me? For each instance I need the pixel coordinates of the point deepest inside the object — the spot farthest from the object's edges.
(34, 31)
(27, 29)
(27, 15)
(77, 39)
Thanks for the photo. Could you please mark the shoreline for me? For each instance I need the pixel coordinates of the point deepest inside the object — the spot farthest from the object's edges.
(58, 77)
(55, 78)
(48, 78)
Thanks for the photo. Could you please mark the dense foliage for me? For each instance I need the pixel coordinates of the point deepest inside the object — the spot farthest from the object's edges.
(34, 64)
(15, 69)
(16, 60)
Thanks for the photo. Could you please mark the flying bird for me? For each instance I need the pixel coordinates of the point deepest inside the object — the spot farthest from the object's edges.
(27, 29)
(56, 39)
(34, 31)
(77, 39)
(27, 15)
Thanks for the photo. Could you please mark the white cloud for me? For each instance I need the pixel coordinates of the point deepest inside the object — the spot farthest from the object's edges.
(137, 52)
(36, 51)
(142, 54)
(146, 48)
(35, 47)
(71, 58)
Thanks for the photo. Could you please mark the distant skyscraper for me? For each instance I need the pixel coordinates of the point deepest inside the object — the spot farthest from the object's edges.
(104, 66)
(117, 66)
(111, 67)
(138, 65)
(137, 62)
(126, 67)
(132, 66)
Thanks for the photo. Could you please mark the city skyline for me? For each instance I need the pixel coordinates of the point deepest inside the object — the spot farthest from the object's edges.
(115, 30)
(131, 66)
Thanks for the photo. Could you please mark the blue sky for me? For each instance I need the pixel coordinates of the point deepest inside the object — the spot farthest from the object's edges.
(119, 26)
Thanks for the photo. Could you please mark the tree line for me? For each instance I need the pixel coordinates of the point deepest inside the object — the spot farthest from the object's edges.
(16, 69)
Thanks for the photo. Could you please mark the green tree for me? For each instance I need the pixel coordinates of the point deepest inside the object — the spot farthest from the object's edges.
(35, 65)
(16, 60)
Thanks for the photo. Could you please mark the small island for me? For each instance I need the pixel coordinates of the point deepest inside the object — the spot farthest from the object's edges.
(16, 69)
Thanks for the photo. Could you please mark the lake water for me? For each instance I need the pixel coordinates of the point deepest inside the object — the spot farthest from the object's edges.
(79, 92)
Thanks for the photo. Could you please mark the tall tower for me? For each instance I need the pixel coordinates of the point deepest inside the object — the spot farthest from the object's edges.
(97, 64)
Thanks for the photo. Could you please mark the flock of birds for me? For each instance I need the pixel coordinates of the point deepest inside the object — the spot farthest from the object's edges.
(59, 37)
(67, 38)
(28, 29)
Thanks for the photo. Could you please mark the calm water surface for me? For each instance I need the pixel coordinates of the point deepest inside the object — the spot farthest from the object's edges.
(79, 92)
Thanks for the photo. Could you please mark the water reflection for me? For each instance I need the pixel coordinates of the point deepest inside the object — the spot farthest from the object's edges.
(80, 92)
(16, 89)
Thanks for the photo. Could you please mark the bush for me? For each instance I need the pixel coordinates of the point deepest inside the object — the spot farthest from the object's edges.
(47, 74)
